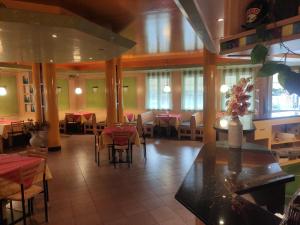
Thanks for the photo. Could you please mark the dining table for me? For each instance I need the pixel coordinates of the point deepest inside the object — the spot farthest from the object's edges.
(168, 120)
(106, 137)
(11, 165)
(81, 116)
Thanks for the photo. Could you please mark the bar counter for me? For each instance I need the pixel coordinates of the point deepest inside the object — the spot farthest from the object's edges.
(234, 187)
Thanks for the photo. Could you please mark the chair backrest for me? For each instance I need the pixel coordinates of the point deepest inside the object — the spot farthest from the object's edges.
(28, 173)
(17, 126)
(69, 117)
(196, 120)
(121, 138)
(147, 116)
(38, 152)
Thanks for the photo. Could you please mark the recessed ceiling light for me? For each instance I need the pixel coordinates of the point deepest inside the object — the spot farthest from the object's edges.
(51, 60)
(54, 35)
(91, 58)
(220, 20)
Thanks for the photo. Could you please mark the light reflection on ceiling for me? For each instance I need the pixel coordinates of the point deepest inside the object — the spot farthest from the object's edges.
(190, 39)
(158, 32)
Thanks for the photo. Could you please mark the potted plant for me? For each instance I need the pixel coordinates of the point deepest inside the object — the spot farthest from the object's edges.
(237, 105)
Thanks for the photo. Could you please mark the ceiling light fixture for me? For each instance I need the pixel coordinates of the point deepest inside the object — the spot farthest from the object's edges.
(51, 60)
(220, 20)
(54, 35)
(3, 91)
(91, 58)
(78, 91)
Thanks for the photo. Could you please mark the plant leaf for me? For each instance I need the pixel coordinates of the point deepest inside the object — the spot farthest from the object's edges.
(271, 68)
(259, 54)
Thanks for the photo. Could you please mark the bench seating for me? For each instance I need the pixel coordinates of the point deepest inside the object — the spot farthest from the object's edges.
(146, 120)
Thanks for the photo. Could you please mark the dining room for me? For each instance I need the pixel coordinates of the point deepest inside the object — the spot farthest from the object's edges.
(164, 112)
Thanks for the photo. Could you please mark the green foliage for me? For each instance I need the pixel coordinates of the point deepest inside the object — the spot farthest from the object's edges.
(270, 68)
(259, 54)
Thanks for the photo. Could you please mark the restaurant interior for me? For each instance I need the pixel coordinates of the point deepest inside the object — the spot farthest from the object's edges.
(161, 112)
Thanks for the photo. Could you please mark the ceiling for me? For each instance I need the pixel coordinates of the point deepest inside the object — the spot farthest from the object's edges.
(157, 26)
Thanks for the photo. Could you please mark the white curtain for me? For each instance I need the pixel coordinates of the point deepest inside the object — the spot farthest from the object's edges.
(192, 89)
(156, 98)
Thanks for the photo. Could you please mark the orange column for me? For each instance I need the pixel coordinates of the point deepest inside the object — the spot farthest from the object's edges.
(209, 112)
(119, 82)
(111, 109)
(36, 77)
(52, 108)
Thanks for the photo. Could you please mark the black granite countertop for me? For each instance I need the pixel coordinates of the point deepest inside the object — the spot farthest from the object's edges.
(211, 190)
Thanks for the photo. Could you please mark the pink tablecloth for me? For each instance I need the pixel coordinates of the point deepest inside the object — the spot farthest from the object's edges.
(106, 135)
(10, 171)
(5, 126)
(170, 119)
(81, 116)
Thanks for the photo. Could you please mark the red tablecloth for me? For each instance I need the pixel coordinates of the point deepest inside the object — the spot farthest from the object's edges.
(167, 116)
(81, 116)
(106, 135)
(10, 171)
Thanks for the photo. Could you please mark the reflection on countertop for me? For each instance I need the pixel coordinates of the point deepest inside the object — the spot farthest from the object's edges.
(219, 175)
(276, 115)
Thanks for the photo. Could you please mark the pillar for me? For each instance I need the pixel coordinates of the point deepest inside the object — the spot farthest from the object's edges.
(36, 78)
(119, 83)
(111, 109)
(209, 111)
(52, 108)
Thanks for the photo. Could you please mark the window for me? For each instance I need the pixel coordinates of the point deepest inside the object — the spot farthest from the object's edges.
(192, 90)
(281, 99)
(231, 77)
(157, 97)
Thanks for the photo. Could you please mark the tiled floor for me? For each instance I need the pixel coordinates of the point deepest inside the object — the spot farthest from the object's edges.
(83, 194)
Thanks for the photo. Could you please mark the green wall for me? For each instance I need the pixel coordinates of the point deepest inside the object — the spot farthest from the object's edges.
(130, 96)
(9, 103)
(63, 96)
(97, 99)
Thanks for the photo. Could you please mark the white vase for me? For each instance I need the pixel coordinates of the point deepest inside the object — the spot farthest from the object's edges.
(38, 139)
(235, 133)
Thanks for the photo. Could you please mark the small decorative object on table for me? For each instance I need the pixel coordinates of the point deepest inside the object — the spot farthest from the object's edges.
(38, 132)
(237, 105)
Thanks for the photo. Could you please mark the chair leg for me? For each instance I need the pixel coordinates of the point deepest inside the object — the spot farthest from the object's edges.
(23, 205)
(95, 147)
(109, 150)
(29, 207)
(145, 150)
(11, 212)
(114, 156)
(31, 204)
(98, 158)
(1, 212)
(45, 202)
(47, 190)
(127, 157)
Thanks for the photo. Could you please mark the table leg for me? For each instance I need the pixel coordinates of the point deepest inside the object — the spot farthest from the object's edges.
(3, 220)
(1, 144)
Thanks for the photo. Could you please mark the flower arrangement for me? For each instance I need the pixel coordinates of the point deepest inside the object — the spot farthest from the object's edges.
(36, 126)
(238, 97)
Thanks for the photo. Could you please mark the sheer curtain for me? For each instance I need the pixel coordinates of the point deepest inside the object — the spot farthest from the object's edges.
(156, 97)
(192, 89)
(231, 76)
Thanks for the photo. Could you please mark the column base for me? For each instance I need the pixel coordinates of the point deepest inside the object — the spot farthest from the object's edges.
(54, 149)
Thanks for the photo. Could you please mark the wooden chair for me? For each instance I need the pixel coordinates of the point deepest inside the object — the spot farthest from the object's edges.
(62, 126)
(185, 130)
(88, 126)
(16, 132)
(143, 140)
(147, 121)
(197, 126)
(27, 193)
(71, 123)
(122, 142)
